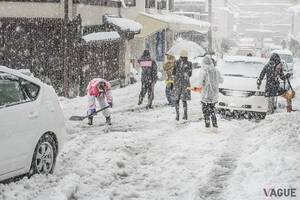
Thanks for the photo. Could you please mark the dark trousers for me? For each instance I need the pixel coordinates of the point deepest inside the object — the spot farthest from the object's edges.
(169, 94)
(184, 104)
(147, 87)
(209, 112)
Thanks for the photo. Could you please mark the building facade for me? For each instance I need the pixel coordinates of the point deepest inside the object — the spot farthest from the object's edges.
(45, 36)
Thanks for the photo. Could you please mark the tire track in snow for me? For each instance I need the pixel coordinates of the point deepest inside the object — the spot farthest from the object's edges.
(224, 166)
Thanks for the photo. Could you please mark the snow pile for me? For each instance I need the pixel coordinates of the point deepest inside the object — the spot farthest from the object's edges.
(295, 9)
(101, 36)
(270, 159)
(65, 189)
(125, 24)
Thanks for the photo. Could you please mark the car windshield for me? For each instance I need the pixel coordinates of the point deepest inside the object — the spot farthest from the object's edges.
(287, 58)
(242, 69)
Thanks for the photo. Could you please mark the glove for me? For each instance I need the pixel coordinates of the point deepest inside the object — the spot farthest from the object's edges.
(91, 111)
(288, 75)
(110, 104)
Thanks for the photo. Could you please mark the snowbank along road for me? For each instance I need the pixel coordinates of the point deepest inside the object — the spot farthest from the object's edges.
(147, 155)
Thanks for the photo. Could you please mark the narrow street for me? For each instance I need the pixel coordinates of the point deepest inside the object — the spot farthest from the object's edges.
(147, 155)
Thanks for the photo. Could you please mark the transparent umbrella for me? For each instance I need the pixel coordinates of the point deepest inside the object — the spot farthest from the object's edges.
(194, 50)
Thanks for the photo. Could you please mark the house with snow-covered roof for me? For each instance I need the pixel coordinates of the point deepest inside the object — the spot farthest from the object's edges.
(48, 37)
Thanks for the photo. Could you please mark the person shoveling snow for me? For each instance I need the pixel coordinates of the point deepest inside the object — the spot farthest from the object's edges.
(99, 89)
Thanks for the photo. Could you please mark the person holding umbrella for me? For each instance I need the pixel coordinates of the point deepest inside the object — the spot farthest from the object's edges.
(182, 73)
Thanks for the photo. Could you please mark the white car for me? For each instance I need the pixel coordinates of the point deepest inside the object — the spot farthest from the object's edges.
(286, 56)
(32, 126)
(238, 93)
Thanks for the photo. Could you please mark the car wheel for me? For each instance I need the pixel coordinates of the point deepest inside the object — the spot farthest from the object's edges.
(44, 157)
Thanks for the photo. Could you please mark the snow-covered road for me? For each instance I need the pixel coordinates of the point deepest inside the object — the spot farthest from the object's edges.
(147, 155)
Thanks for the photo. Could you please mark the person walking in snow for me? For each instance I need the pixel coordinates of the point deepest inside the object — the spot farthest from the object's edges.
(148, 78)
(100, 90)
(182, 73)
(273, 72)
(209, 80)
(168, 68)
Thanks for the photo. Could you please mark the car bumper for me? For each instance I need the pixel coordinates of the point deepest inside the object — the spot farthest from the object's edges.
(251, 104)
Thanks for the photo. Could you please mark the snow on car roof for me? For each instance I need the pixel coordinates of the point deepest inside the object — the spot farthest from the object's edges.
(282, 51)
(19, 74)
(245, 59)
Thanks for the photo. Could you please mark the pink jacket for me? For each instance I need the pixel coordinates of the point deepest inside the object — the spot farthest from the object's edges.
(92, 89)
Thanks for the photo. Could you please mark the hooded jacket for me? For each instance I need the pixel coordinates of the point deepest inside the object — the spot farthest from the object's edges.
(209, 80)
(92, 89)
(273, 71)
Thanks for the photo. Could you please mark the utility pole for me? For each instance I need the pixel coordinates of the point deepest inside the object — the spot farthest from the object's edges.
(65, 50)
(210, 27)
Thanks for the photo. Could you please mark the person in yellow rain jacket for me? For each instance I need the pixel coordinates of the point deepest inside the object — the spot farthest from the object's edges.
(168, 68)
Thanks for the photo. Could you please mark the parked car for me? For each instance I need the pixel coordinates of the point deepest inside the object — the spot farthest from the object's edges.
(32, 126)
(286, 56)
(238, 94)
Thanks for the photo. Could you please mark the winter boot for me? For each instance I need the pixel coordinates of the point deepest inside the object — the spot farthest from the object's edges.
(185, 117)
(214, 120)
(207, 123)
(289, 107)
(90, 120)
(108, 120)
(177, 111)
(149, 105)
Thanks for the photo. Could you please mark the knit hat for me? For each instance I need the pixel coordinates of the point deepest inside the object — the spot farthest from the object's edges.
(207, 60)
(184, 53)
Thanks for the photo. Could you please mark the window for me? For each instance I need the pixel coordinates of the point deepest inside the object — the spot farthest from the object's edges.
(108, 3)
(150, 3)
(31, 89)
(162, 5)
(10, 90)
(130, 3)
(171, 5)
(14, 90)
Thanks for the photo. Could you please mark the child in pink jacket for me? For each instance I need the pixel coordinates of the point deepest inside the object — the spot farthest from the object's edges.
(99, 89)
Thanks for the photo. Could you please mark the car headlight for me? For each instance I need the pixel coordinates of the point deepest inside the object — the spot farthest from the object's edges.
(258, 93)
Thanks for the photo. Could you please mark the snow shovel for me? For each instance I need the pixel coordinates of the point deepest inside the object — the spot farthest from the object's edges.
(80, 118)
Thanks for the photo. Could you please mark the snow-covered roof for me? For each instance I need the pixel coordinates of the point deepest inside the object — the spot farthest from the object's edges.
(295, 9)
(125, 24)
(100, 36)
(181, 23)
(246, 59)
(282, 52)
